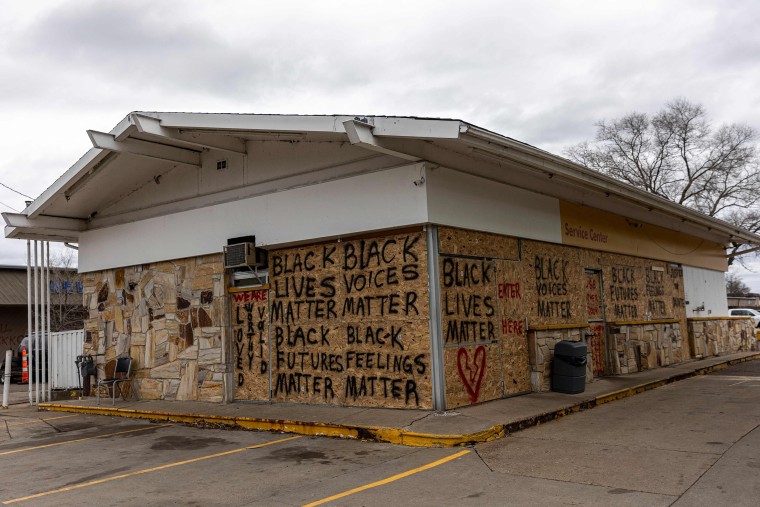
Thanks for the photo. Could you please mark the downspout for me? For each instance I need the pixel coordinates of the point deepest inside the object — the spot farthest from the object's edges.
(436, 338)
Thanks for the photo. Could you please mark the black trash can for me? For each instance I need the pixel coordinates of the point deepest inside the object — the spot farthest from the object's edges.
(569, 367)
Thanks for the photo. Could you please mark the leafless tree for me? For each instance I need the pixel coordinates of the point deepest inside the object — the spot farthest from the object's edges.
(66, 303)
(735, 286)
(676, 154)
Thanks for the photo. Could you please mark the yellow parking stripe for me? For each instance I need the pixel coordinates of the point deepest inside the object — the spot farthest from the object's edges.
(42, 420)
(145, 471)
(81, 439)
(388, 480)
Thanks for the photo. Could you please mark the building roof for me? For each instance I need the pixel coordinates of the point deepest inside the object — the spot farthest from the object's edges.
(80, 199)
(12, 285)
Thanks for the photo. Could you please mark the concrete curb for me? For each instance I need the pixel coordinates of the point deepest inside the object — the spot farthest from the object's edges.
(374, 433)
(398, 436)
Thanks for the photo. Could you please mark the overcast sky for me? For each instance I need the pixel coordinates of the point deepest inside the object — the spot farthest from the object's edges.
(541, 71)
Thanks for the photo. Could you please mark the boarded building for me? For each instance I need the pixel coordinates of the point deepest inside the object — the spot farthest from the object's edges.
(400, 262)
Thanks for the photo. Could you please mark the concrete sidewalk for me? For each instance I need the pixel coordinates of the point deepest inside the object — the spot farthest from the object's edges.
(463, 426)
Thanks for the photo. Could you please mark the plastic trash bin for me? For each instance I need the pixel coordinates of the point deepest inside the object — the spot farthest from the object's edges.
(569, 367)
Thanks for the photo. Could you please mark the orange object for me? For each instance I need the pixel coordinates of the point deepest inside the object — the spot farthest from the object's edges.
(24, 367)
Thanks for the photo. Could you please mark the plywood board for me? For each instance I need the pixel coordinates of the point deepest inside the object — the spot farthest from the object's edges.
(513, 327)
(472, 375)
(468, 301)
(636, 289)
(464, 242)
(555, 288)
(350, 323)
(250, 334)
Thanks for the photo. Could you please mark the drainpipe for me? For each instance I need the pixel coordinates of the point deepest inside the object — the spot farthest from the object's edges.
(436, 337)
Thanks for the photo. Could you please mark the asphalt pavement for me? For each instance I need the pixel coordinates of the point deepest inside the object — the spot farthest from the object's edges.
(464, 426)
(688, 443)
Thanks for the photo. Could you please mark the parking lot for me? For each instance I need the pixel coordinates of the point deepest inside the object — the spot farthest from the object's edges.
(694, 442)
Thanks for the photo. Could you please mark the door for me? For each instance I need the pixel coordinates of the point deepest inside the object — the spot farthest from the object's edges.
(595, 308)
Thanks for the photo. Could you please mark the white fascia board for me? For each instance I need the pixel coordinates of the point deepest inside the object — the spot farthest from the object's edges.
(253, 122)
(40, 234)
(68, 179)
(360, 134)
(44, 222)
(152, 126)
(489, 143)
(383, 125)
(145, 149)
(424, 128)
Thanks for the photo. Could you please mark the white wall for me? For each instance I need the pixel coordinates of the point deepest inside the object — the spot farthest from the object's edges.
(704, 286)
(378, 200)
(462, 200)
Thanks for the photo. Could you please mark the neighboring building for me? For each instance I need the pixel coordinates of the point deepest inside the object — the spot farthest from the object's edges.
(402, 262)
(66, 309)
(12, 307)
(744, 301)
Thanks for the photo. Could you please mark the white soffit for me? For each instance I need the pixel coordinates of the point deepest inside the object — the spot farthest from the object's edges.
(146, 144)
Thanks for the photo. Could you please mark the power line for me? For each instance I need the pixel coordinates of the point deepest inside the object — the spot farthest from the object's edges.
(11, 207)
(14, 190)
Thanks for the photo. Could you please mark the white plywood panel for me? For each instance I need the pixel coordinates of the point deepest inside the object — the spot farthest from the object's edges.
(379, 200)
(463, 200)
(704, 288)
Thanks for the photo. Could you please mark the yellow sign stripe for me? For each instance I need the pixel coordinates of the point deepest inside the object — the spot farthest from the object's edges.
(388, 480)
(81, 439)
(145, 471)
(34, 421)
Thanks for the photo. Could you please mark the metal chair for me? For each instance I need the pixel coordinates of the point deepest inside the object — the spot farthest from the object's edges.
(120, 377)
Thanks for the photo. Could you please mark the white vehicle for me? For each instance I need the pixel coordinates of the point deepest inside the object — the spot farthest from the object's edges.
(746, 312)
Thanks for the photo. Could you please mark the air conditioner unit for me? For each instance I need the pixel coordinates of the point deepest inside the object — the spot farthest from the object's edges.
(240, 254)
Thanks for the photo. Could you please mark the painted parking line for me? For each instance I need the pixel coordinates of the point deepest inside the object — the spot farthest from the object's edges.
(33, 421)
(388, 480)
(25, 449)
(146, 471)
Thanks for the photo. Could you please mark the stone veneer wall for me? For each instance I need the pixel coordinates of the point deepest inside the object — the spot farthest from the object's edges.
(643, 346)
(170, 317)
(541, 349)
(714, 336)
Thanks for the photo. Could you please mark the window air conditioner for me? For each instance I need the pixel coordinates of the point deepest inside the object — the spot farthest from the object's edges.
(239, 255)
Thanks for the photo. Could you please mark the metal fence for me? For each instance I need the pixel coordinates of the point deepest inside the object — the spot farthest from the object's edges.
(65, 347)
(58, 351)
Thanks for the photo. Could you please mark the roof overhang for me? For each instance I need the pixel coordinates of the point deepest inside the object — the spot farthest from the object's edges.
(145, 144)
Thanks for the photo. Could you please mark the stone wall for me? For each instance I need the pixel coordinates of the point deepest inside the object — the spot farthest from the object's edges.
(170, 318)
(639, 346)
(716, 335)
(541, 344)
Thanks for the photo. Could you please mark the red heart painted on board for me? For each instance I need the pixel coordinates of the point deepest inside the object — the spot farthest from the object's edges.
(472, 375)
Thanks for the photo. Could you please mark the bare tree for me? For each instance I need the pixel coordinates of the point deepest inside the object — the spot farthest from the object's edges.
(735, 286)
(676, 154)
(66, 301)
